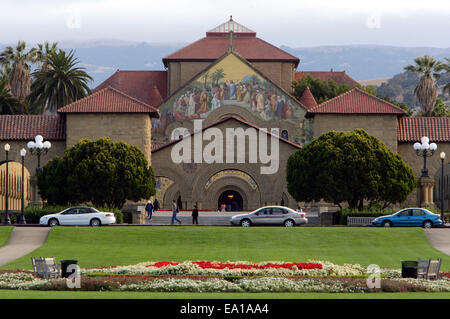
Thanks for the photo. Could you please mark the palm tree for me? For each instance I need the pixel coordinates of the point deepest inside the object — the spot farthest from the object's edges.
(446, 67)
(19, 78)
(43, 52)
(62, 83)
(8, 103)
(425, 91)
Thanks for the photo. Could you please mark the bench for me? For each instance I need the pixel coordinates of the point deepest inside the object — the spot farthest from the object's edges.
(428, 268)
(360, 221)
(46, 267)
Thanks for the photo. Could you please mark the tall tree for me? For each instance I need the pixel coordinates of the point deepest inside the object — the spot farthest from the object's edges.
(428, 68)
(19, 77)
(446, 67)
(44, 50)
(350, 167)
(62, 83)
(8, 103)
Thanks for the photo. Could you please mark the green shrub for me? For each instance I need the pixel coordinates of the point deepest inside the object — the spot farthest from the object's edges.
(373, 211)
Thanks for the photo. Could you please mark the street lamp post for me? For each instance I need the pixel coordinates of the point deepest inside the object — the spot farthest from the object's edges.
(38, 147)
(442, 156)
(425, 150)
(22, 220)
(6, 219)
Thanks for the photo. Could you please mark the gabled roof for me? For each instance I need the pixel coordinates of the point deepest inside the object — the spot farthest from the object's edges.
(412, 129)
(232, 117)
(356, 101)
(26, 127)
(109, 100)
(307, 99)
(217, 61)
(245, 42)
(149, 87)
(339, 77)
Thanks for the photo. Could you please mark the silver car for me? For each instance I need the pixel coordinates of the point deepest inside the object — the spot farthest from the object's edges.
(270, 215)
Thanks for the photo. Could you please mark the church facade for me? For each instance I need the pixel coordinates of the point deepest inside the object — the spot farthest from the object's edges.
(228, 80)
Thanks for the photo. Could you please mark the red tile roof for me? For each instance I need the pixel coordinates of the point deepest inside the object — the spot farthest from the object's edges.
(109, 100)
(158, 145)
(211, 48)
(412, 129)
(356, 101)
(26, 127)
(338, 77)
(148, 86)
(307, 99)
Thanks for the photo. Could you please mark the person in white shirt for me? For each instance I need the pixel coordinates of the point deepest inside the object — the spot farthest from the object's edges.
(299, 209)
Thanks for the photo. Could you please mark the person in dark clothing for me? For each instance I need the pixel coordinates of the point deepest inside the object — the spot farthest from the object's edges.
(195, 215)
(149, 209)
(155, 205)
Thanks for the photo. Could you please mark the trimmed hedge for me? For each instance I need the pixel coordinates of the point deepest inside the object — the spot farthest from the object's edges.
(34, 213)
(374, 211)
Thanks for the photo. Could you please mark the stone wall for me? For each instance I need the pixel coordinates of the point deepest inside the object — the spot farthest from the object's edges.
(384, 127)
(281, 73)
(406, 151)
(190, 179)
(131, 128)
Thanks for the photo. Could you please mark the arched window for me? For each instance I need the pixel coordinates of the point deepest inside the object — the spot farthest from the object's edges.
(285, 134)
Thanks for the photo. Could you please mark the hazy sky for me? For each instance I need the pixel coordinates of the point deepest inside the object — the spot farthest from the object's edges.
(295, 23)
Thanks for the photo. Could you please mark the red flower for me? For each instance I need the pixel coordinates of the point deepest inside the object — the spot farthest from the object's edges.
(220, 265)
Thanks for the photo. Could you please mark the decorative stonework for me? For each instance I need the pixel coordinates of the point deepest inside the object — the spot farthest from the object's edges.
(162, 185)
(232, 173)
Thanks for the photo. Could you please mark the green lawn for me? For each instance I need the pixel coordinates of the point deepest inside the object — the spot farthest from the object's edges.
(21, 294)
(106, 246)
(5, 232)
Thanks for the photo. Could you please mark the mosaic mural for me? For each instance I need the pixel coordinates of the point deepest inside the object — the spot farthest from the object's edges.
(231, 173)
(229, 82)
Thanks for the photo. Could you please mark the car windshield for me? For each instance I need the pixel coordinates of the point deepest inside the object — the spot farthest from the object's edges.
(94, 210)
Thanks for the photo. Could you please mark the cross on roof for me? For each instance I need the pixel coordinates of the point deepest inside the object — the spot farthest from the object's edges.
(231, 35)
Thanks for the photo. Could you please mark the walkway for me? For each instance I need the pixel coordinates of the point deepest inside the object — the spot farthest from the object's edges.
(439, 238)
(23, 240)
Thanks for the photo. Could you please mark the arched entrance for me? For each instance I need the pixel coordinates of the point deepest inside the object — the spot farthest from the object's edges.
(231, 199)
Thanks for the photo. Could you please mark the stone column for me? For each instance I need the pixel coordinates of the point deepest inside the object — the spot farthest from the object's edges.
(426, 185)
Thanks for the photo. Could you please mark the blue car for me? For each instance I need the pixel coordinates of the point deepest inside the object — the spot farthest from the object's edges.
(418, 217)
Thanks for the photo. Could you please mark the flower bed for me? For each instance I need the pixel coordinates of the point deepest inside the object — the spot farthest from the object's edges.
(206, 276)
(231, 265)
(236, 269)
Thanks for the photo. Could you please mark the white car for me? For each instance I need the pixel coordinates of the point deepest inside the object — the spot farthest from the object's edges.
(78, 216)
(270, 215)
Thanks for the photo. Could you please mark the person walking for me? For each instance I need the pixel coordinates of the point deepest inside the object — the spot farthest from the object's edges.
(175, 212)
(155, 205)
(299, 209)
(149, 209)
(195, 215)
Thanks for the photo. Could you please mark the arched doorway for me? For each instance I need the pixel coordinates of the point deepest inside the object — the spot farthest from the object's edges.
(231, 199)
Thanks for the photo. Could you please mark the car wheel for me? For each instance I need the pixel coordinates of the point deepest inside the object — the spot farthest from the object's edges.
(289, 223)
(95, 222)
(53, 222)
(246, 223)
(387, 223)
(427, 224)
